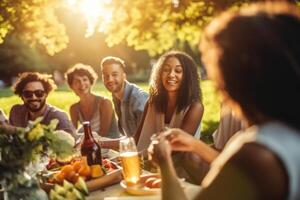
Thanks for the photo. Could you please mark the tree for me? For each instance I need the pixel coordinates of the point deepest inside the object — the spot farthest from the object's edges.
(16, 57)
(157, 26)
(34, 22)
(152, 25)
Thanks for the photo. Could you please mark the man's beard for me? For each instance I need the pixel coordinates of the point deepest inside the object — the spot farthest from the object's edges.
(117, 88)
(35, 109)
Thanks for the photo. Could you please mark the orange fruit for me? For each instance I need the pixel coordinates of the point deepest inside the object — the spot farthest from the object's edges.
(59, 178)
(69, 176)
(74, 178)
(96, 171)
(66, 169)
(84, 170)
(77, 165)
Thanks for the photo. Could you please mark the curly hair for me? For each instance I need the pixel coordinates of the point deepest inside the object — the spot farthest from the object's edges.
(27, 77)
(255, 60)
(189, 90)
(81, 70)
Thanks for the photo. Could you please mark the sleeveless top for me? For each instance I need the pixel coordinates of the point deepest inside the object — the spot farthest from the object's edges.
(279, 138)
(284, 142)
(95, 120)
(155, 123)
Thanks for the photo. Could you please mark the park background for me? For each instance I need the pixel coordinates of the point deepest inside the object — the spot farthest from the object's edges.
(49, 36)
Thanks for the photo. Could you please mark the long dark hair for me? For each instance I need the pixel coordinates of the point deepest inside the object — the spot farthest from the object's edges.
(189, 90)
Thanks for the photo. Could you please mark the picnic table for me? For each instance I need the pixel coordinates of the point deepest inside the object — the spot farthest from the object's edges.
(116, 192)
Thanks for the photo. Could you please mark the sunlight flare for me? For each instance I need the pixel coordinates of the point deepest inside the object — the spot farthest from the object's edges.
(95, 12)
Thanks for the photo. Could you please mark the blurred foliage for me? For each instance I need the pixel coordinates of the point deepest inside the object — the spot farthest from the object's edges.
(33, 21)
(155, 26)
(32, 31)
(16, 57)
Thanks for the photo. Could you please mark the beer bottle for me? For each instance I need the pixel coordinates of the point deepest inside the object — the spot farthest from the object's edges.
(89, 147)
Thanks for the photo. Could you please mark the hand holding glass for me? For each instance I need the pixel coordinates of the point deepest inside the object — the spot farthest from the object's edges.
(130, 161)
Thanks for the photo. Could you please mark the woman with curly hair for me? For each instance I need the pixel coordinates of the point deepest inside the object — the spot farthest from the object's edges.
(96, 109)
(175, 98)
(252, 58)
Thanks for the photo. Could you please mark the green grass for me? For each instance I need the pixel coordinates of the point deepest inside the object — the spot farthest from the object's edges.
(63, 98)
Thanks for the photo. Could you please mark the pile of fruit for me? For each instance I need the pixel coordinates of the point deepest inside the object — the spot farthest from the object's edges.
(69, 191)
(78, 167)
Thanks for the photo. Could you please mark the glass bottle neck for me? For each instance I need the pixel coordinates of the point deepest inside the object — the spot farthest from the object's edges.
(88, 132)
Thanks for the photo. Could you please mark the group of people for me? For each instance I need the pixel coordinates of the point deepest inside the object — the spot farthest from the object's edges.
(252, 55)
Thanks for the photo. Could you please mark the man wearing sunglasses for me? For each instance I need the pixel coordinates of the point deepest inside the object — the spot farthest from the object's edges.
(33, 88)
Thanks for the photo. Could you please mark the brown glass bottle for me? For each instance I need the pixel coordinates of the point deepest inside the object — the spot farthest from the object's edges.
(89, 147)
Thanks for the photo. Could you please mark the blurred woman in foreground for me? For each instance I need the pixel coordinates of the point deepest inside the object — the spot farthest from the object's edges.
(253, 55)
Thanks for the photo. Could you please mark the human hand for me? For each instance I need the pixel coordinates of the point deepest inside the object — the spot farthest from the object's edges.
(159, 150)
(179, 139)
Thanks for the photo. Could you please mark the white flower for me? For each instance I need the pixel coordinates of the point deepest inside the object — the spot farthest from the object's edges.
(63, 135)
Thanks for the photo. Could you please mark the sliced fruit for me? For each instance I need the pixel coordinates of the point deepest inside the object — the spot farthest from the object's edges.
(52, 194)
(78, 194)
(81, 186)
(85, 170)
(67, 185)
(71, 196)
(96, 171)
(60, 197)
(59, 189)
(59, 178)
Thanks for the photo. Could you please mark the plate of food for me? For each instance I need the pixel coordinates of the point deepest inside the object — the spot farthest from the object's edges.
(148, 185)
(95, 176)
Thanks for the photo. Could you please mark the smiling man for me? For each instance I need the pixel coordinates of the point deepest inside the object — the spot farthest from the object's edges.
(33, 88)
(129, 100)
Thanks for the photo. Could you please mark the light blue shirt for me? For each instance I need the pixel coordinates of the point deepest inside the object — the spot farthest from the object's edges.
(131, 108)
(285, 143)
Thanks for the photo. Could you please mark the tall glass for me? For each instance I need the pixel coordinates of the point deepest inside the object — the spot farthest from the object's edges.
(130, 161)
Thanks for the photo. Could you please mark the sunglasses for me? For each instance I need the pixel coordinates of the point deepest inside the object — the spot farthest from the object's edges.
(37, 93)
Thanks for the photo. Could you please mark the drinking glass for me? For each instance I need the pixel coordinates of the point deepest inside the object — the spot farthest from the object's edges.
(130, 161)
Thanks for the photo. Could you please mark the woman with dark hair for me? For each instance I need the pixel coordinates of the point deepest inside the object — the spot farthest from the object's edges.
(175, 98)
(94, 108)
(253, 55)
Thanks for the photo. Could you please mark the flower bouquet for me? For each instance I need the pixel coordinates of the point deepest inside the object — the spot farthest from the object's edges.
(23, 149)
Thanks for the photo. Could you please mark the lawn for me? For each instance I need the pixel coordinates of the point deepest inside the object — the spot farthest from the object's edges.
(63, 98)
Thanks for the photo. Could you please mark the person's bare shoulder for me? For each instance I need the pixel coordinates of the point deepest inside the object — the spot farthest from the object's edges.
(105, 102)
(264, 168)
(197, 106)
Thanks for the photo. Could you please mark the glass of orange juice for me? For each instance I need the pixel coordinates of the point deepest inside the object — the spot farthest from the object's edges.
(130, 161)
